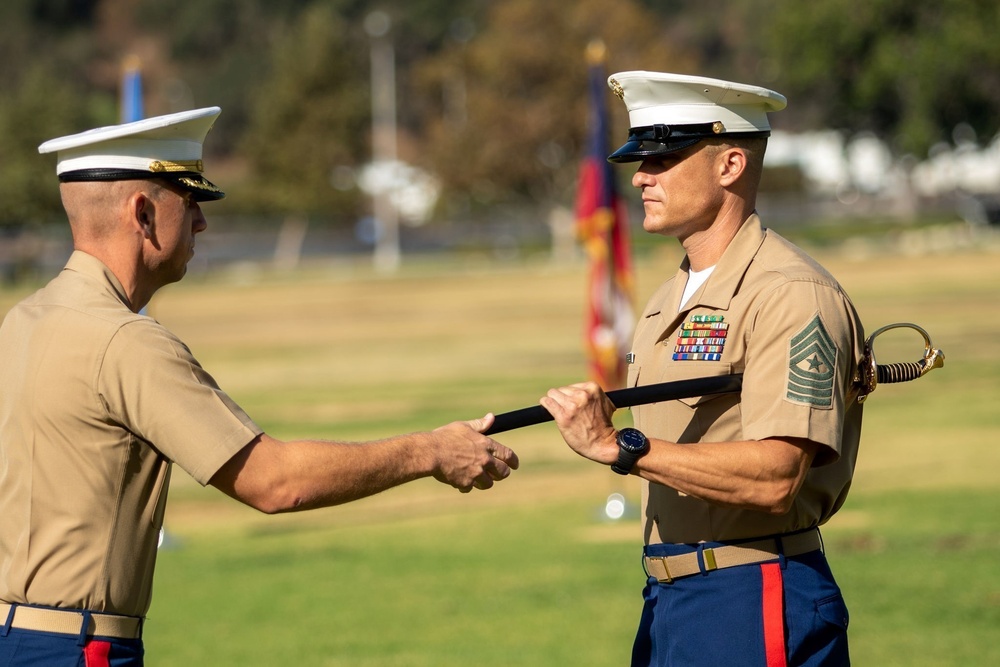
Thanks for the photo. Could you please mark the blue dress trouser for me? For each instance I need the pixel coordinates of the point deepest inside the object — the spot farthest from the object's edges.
(716, 619)
(30, 647)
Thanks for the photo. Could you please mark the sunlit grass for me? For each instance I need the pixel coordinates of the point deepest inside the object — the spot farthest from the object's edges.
(527, 574)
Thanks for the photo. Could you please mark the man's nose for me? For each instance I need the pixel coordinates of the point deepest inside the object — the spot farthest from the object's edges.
(199, 223)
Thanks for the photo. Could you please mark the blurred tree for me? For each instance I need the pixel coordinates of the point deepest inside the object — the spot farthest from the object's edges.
(511, 112)
(722, 32)
(219, 50)
(223, 49)
(44, 93)
(910, 72)
(44, 105)
(420, 29)
(491, 92)
(294, 95)
(309, 116)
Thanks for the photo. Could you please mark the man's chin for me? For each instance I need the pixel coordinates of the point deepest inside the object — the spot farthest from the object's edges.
(177, 275)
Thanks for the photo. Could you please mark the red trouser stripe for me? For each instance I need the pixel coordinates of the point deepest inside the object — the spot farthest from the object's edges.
(774, 615)
(95, 653)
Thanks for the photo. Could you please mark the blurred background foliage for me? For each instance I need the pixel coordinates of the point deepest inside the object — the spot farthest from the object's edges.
(490, 93)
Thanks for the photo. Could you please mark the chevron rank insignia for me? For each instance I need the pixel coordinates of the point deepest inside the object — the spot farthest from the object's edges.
(812, 358)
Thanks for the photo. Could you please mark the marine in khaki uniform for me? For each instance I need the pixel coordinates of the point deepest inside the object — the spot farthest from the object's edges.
(734, 486)
(98, 402)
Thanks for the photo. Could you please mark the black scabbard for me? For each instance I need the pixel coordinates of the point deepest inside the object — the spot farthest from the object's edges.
(626, 398)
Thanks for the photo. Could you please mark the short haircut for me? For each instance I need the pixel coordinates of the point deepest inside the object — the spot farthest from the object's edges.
(753, 147)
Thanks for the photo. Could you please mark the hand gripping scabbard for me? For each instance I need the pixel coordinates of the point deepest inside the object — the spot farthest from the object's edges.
(626, 398)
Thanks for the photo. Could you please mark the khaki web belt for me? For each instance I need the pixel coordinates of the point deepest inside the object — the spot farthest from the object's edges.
(667, 568)
(70, 622)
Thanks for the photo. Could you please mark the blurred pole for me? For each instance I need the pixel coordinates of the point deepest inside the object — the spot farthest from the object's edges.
(131, 93)
(130, 100)
(383, 90)
(461, 31)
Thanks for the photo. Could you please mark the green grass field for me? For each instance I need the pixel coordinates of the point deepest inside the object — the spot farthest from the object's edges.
(528, 573)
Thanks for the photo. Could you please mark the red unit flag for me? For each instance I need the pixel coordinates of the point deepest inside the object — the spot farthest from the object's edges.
(602, 227)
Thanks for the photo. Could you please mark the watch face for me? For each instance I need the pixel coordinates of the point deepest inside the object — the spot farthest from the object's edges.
(630, 438)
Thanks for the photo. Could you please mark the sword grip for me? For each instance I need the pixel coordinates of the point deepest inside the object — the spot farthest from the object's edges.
(901, 372)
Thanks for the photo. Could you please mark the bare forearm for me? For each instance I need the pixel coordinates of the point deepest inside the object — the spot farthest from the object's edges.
(320, 474)
(758, 475)
(276, 476)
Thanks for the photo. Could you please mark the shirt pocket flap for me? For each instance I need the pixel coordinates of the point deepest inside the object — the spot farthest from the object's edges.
(700, 369)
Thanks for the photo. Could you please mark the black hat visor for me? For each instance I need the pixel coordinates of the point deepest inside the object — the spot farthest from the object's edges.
(652, 140)
(191, 181)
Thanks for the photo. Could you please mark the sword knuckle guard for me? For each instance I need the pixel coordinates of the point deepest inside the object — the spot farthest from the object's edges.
(870, 373)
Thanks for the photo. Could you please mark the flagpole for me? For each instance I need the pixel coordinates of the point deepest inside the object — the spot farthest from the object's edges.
(378, 24)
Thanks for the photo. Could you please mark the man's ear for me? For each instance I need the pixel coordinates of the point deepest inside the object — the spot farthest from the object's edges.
(143, 213)
(732, 165)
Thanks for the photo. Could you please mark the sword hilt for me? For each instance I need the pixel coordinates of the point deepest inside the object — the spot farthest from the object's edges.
(870, 373)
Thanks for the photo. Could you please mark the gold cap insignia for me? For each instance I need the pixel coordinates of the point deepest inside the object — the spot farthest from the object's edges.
(199, 184)
(159, 166)
(616, 88)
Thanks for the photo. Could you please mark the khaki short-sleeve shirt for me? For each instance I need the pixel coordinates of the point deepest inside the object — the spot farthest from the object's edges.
(772, 313)
(96, 403)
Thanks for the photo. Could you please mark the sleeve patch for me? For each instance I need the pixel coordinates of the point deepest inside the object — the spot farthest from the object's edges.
(812, 360)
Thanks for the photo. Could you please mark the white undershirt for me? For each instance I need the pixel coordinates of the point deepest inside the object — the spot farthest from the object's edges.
(695, 280)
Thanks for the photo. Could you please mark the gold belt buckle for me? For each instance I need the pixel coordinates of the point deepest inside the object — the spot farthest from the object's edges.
(708, 556)
(666, 570)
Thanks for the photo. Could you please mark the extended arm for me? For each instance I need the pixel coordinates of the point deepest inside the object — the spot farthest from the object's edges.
(275, 476)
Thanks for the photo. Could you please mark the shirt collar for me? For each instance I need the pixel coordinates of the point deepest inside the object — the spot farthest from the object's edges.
(91, 267)
(721, 286)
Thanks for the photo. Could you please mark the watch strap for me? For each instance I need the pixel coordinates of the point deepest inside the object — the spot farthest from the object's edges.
(626, 461)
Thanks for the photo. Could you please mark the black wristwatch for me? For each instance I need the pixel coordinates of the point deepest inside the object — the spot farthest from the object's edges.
(632, 444)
